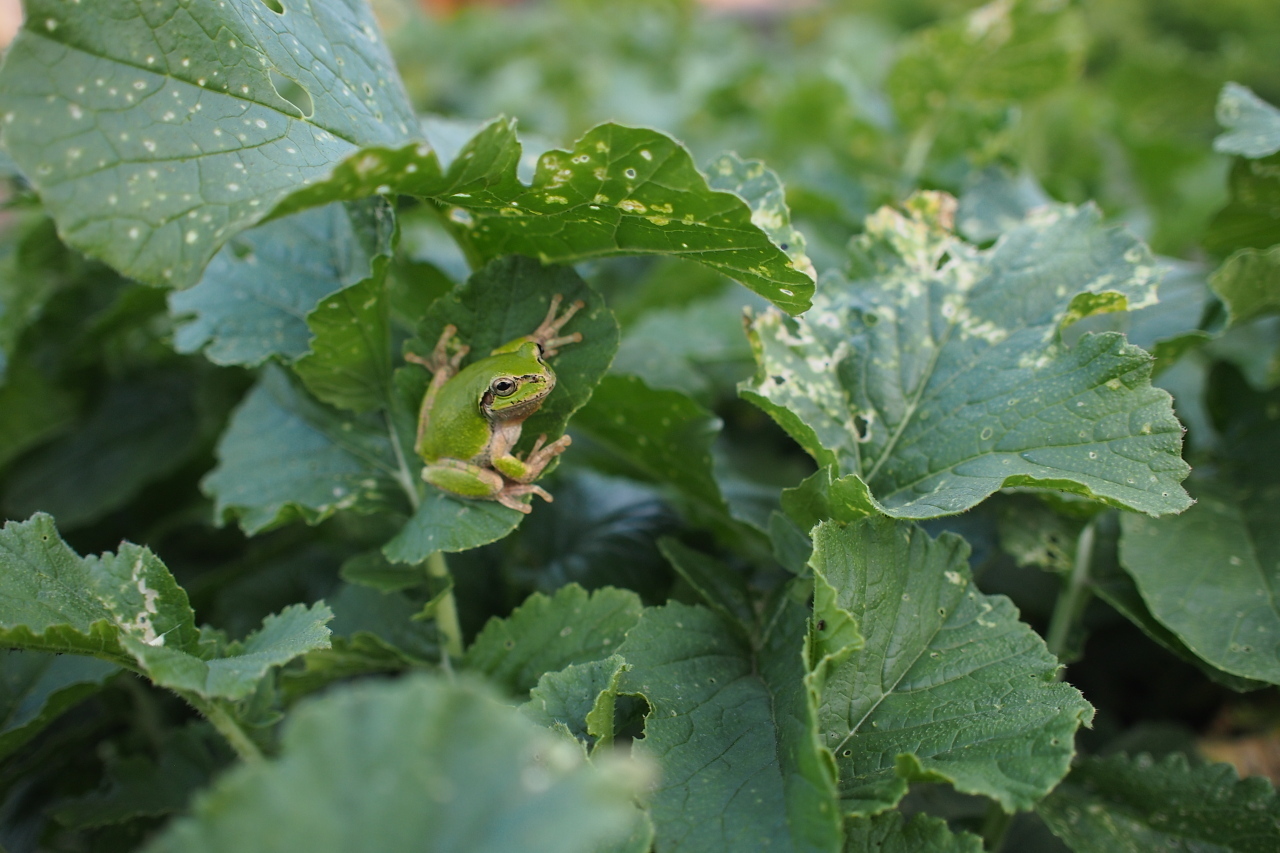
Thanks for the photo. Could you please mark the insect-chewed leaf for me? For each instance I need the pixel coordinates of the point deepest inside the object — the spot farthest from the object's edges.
(936, 374)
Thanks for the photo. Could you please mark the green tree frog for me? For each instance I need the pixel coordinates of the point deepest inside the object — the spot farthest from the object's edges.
(471, 417)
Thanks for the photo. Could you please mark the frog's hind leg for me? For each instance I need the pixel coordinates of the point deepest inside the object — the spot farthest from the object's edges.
(511, 494)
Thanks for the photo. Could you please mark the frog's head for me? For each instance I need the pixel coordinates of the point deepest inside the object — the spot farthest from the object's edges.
(520, 381)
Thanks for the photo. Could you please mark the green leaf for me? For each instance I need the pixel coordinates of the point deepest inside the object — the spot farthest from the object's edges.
(760, 187)
(655, 436)
(36, 687)
(937, 375)
(441, 767)
(235, 674)
(142, 430)
(126, 608)
(950, 686)
(349, 365)
(1249, 284)
(285, 456)
(154, 137)
(548, 633)
(581, 697)
(891, 833)
(137, 786)
(1251, 219)
(372, 569)
(1253, 125)
(733, 733)
(822, 496)
(443, 522)
(1229, 536)
(1126, 804)
(252, 302)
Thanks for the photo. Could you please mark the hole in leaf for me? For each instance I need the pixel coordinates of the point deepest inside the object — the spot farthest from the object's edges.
(275, 6)
(870, 318)
(862, 427)
(942, 261)
(292, 91)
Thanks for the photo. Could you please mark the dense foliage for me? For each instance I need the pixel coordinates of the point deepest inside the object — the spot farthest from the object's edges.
(961, 544)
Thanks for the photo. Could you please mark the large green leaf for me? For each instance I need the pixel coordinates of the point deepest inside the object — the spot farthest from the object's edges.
(155, 136)
(582, 698)
(548, 633)
(35, 687)
(32, 410)
(733, 733)
(439, 767)
(1210, 574)
(1133, 805)
(286, 456)
(950, 686)
(936, 373)
(349, 365)
(253, 299)
(127, 609)
(1253, 125)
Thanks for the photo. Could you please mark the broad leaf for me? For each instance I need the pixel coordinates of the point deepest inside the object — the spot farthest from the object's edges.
(32, 410)
(1208, 575)
(936, 374)
(155, 137)
(287, 456)
(1253, 125)
(1138, 804)
(950, 686)
(1249, 283)
(127, 609)
(733, 732)
(548, 633)
(35, 687)
(724, 590)
(441, 767)
(253, 299)
(890, 833)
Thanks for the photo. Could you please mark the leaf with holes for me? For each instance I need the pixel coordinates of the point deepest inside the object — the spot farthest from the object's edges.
(734, 732)
(935, 372)
(950, 686)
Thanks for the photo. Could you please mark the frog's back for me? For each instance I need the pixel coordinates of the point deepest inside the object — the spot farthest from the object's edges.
(456, 427)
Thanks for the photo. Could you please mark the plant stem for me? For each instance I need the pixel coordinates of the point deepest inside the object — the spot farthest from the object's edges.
(1072, 600)
(447, 609)
(403, 475)
(994, 826)
(226, 726)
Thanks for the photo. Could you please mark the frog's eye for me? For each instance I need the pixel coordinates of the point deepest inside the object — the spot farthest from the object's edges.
(503, 387)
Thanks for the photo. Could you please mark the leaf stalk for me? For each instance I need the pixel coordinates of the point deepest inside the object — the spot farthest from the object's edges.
(447, 609)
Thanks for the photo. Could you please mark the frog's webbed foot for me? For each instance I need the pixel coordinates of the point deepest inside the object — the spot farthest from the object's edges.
(441, 361)
(512, 492)
(548, 332)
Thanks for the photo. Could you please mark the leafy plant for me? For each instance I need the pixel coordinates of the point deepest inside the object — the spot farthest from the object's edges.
(1012, 308)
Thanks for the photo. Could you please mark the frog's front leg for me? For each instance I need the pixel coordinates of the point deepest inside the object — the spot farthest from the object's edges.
(469, 480)
(531, 467)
